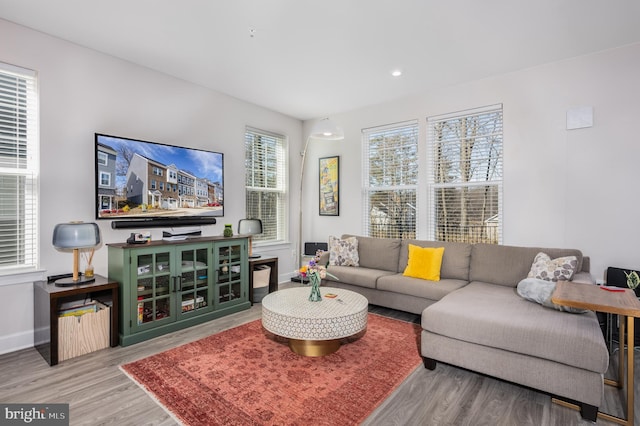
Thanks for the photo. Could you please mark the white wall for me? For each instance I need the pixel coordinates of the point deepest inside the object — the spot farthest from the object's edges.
(562, 188)
(83, 92)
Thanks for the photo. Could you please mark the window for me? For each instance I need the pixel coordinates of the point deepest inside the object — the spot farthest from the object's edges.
(390, 167)
(103, 158)
(105, 179)
(18, 169)
(266, 183)
(466, 176)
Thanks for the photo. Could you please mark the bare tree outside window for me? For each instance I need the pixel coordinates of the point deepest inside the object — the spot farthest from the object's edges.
(265, 183)
(391, 180)
(466, 179)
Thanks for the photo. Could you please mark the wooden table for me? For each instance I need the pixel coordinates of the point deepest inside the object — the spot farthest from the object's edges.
(622, 303)
(47, 299)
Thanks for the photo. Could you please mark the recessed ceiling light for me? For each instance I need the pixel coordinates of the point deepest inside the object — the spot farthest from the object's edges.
(396, 73)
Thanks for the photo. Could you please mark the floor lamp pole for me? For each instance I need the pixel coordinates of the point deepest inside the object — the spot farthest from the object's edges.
(326, 130)
(304, 156)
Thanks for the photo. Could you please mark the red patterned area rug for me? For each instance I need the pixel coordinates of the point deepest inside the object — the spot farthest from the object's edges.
(243, 376)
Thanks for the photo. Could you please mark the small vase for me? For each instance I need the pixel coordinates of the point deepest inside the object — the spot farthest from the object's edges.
(88, 271)
(315, 295)
(228, 231)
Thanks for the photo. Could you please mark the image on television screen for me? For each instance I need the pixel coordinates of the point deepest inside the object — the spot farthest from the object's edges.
(140, 180)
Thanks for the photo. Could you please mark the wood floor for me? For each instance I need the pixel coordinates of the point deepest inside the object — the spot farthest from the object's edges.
(100, 394)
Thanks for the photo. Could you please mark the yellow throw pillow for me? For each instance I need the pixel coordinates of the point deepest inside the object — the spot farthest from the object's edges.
(424, 262)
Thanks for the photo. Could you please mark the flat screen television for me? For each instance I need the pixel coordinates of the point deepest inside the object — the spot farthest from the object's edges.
(146, 184)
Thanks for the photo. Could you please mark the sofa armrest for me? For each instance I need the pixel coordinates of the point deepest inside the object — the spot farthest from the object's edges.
(583, 278)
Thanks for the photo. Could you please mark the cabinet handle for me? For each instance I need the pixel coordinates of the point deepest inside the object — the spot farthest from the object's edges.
(179, 280)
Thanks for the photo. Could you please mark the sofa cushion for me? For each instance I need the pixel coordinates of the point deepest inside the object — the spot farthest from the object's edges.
(545, 268)
(363, 277)
(424, 262)
(343, 252)
(432, 290)
(455, 261)
(507, 265)
(378, 253)
(495, 316)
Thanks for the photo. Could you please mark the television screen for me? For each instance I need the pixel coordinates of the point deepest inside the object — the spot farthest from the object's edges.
(147, 180)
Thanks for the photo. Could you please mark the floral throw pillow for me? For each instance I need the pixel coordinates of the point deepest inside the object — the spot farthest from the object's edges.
(560, 269)
(343, 252)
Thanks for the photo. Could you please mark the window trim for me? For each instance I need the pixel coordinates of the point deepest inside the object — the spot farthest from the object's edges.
(282, 187)
(30, 228)
(367, 188)
(433, 186)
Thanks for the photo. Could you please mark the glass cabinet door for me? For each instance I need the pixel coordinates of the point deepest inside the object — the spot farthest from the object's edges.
(193, 285)
(153, 287)
(230, 259)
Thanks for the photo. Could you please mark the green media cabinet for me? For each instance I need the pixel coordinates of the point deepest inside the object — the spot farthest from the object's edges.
(169, 285)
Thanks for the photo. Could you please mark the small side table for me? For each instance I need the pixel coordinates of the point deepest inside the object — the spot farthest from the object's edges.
(271, 262)
(622, 303)
(47, 299)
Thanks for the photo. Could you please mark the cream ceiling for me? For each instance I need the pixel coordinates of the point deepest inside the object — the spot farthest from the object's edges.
(316, 58)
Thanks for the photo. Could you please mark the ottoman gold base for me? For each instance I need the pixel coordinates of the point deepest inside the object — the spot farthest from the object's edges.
(314, 347)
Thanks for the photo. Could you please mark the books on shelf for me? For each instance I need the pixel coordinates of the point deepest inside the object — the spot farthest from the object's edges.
(91, 306)
(190, 304)
(70, 309)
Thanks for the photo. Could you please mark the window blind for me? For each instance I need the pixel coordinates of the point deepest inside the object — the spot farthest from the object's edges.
(18, 169)
(266, 183)
(390, 167)
(466, 175)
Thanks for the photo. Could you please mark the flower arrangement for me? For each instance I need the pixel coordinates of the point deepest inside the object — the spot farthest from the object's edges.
(315, 272)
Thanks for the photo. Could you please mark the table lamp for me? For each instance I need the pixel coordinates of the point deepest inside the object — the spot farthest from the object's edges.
(75, 236)
(250, 227)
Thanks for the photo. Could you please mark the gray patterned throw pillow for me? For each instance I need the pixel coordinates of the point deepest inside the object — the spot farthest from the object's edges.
(343, 252)
(560, 269)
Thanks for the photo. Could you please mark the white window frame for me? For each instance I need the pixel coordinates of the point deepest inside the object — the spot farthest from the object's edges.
(405, 180)
(491, 229)
(108, 176)
(103, 158)
(19, 247)
(261, 181)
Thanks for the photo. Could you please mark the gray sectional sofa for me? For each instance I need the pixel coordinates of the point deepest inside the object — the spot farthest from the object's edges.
(474, 318)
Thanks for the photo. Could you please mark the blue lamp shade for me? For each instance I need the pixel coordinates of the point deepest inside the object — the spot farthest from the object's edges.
(76, 235)
(249, 227)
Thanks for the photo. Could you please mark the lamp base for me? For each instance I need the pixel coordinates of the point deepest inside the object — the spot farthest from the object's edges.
(68, 282)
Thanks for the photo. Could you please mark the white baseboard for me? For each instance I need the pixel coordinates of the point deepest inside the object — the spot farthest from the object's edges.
(15, 342)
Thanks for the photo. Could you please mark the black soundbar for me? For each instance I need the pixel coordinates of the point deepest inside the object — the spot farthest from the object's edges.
(162, 222)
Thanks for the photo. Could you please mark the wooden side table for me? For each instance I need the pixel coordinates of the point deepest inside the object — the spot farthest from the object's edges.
(271, 262)
(47, 299)
(625, 304)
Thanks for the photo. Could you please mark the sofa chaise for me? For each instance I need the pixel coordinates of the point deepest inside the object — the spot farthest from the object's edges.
(474, 318)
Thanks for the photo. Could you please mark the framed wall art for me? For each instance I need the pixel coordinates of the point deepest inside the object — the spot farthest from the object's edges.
(330, 186)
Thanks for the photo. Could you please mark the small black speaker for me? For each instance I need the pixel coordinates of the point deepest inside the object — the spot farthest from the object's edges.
(310, 249)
